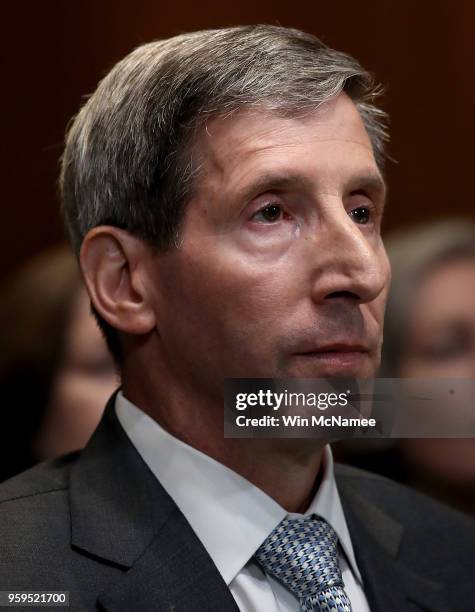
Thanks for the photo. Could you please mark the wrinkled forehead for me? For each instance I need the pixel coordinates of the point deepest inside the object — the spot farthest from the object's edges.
(256, 127)
(256, 140)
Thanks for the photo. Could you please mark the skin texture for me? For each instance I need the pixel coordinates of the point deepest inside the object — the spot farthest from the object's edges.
(442, 345)
(275, 276)
(85, 380)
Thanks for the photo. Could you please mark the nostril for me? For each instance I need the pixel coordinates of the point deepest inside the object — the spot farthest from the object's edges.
(342, 294)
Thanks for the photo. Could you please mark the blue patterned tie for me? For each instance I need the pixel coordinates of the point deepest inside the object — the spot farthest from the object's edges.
(302, 553)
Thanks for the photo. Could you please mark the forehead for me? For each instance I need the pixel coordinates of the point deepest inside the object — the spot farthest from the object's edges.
(332, 138)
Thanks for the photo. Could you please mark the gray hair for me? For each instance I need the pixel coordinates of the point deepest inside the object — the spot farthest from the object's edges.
(126, 161)
(414, 253)
(128, 157)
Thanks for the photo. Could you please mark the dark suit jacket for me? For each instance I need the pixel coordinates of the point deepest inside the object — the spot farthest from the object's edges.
(99, 525)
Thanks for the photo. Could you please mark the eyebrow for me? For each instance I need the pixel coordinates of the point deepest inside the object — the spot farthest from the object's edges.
(371, 181)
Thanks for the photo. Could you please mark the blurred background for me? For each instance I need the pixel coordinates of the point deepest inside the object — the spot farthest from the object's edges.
(53, 54)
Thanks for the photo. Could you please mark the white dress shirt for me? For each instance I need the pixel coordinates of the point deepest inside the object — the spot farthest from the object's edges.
(232, 517)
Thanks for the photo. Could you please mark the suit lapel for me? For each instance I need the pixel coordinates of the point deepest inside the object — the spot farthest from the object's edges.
(389, 584)
(174, 574)
(120, 514)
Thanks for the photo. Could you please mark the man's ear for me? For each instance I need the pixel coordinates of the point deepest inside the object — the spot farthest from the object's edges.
(114, 265)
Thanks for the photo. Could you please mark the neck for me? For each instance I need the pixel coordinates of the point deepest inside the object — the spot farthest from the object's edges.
(281, 468)
(286, 469)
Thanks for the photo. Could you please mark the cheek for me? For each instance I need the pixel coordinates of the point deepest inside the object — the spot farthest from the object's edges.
(374, 319)
(232, 315)
(378, 307)
(230, 288)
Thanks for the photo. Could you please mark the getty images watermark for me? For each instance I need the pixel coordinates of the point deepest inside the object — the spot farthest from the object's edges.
(284, 400)
(342, 408)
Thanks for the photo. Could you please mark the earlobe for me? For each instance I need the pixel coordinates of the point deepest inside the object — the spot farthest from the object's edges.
(113, 264)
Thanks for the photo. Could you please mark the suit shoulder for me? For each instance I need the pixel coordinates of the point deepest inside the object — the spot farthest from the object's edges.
(44, 478)
(415, 510)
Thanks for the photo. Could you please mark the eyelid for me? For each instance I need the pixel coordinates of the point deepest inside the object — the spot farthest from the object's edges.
(362, 192)
(374, 200)
(374, 214)
(263, 208)
(369, 202)
(263, 201)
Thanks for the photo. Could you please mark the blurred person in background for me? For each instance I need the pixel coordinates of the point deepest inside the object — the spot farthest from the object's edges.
(429, 333)
(55, 370)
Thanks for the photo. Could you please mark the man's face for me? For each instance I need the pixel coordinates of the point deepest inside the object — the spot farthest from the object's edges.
(281, 271)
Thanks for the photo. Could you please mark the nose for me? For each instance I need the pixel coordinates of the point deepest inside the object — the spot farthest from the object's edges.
(349, 261)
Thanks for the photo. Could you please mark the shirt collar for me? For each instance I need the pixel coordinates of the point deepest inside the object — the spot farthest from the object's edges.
(327, 505)
(230, 515)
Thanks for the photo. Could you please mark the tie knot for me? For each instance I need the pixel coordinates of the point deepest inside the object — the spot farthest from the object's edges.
(302, 553)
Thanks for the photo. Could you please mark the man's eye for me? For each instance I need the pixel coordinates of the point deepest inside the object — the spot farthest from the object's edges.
(269, 214)
(361, 215)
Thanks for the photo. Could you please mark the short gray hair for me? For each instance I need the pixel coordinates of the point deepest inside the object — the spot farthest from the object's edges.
(128, 156)
(126, 161)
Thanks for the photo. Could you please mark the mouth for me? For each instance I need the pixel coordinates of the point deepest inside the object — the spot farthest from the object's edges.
(339, 359)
